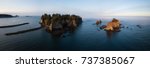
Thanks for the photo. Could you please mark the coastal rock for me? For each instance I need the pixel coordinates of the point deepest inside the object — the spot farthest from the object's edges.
(113, 25)
(98, 22)
(103, 26)
(60, 23)
(139, 26)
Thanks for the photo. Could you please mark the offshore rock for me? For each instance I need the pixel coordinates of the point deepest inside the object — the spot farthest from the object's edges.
(57, 23)
(98, 22)
(113, 25)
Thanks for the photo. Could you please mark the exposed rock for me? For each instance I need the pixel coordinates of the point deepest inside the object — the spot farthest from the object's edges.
(15, 25)
(23, 31)
(103, 26)
(113, 25)
(122, 26)
(98, 22)
(60, 23)
(139, 26)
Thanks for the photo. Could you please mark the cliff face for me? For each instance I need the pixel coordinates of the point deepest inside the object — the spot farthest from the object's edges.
(60, 23)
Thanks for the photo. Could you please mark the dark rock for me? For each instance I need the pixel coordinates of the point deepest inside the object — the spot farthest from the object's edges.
(98, 22)
(139, 26)
(122, 26)
(103, 26)
(23, 31)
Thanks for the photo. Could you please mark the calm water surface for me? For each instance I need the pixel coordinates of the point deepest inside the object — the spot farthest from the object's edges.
(87, 37)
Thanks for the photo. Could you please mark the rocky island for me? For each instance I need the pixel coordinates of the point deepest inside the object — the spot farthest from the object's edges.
(7, 16)
(113, 25)
(57, 24)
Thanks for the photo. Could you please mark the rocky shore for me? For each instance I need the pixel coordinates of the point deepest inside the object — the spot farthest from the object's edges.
(57, 23)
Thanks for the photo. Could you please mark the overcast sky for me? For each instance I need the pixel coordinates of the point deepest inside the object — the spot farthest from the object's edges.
(85, 8)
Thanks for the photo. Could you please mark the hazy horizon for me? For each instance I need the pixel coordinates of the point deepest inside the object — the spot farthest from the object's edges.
(84, 8)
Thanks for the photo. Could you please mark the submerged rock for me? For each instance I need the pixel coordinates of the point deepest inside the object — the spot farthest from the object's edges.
(23, 31)
(139, 26)
(103, 26)
(57, 23)
(15, 25)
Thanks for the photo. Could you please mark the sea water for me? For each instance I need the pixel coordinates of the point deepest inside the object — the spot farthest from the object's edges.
(87, 37)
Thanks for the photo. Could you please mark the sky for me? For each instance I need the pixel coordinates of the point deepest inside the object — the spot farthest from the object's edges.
(85, 8)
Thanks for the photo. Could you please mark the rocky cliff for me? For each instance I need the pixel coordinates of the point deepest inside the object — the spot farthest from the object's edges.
(58, 23)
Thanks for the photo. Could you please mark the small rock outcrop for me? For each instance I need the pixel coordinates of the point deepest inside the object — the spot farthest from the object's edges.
(103, 26)
(98, 22)
(113, 25)
(58, 23)
(139, 26)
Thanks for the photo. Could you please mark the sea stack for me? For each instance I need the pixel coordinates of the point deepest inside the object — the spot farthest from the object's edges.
(60, 23)
(113, 25)
(98, 22)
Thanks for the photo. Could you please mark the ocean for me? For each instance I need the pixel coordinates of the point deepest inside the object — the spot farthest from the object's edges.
(87, 37)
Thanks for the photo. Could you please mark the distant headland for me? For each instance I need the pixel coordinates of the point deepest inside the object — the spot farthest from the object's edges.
(7, 16)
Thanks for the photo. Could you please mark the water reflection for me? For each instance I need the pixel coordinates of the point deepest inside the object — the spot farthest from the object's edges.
(111, 34)
(85, 37)
(56, 43)
(61, 33)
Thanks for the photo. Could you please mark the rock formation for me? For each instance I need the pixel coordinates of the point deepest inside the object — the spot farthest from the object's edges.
(60, 23)
(98, 22)
(113, 25)
(139, 26)
(103, 26)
